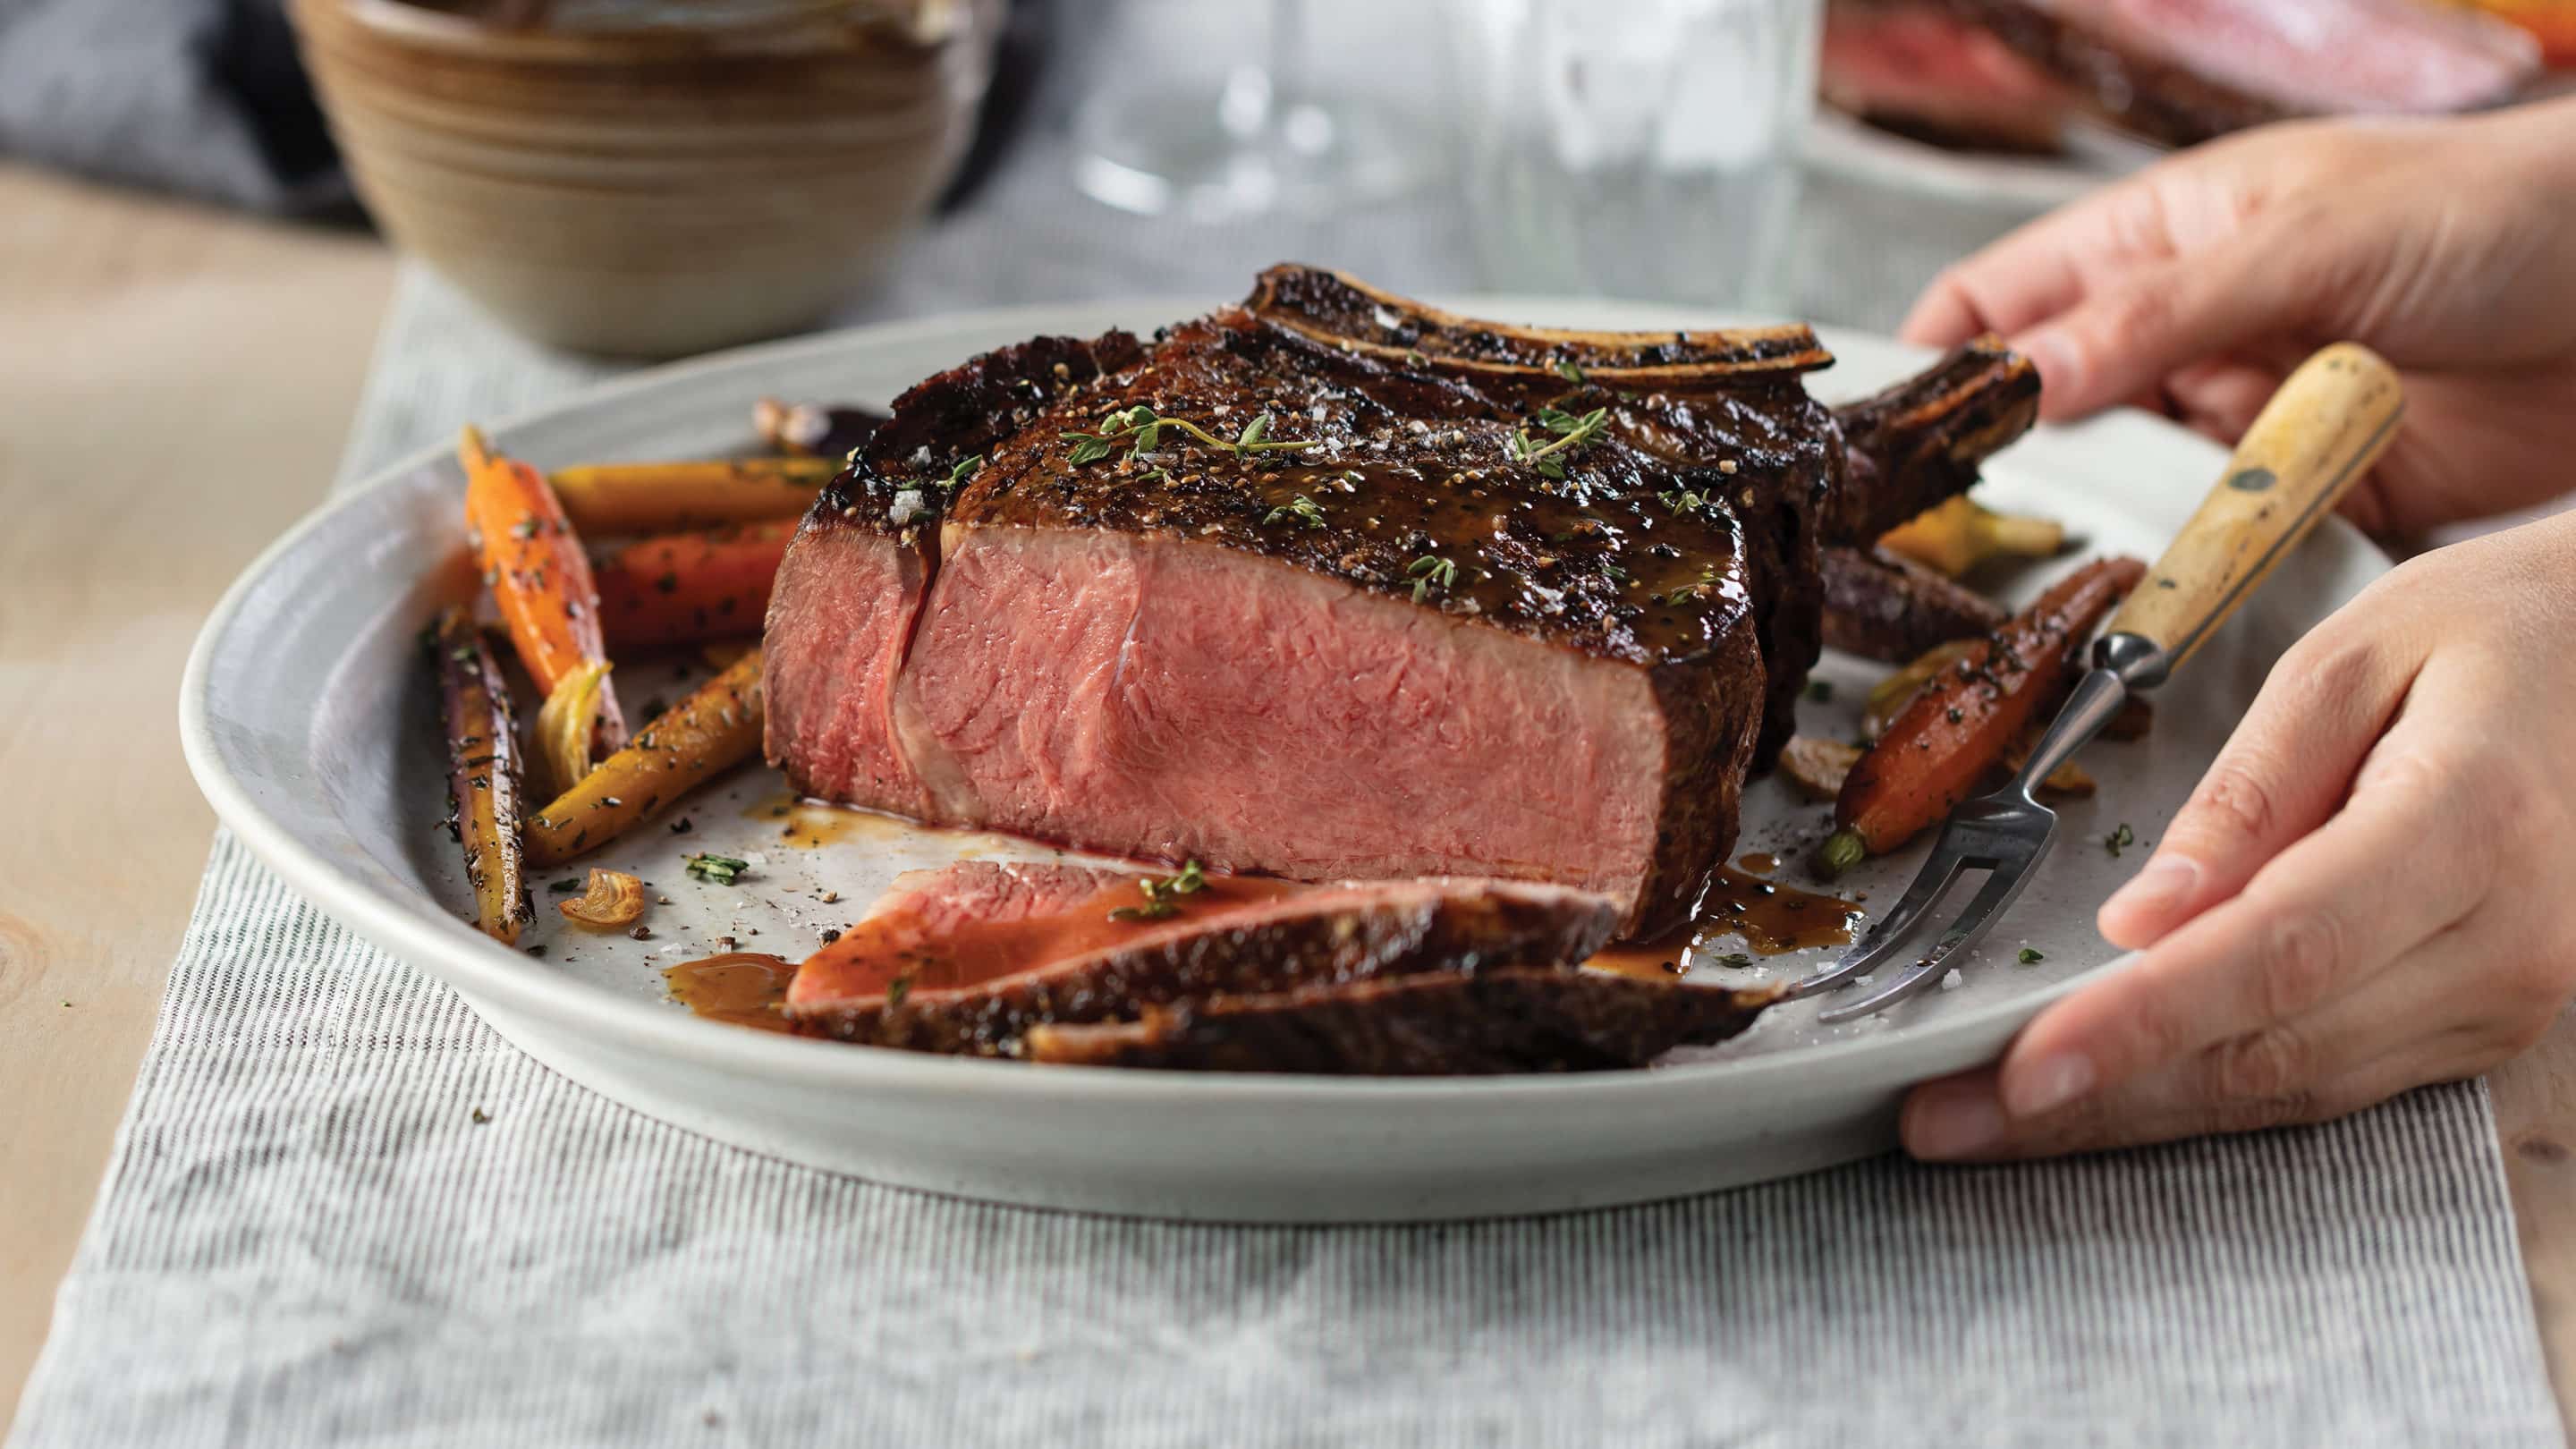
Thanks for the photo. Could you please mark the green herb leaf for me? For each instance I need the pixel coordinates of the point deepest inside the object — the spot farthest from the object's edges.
(566, 886)
(1566, 369)
(1429, 572)
(897, 990)
(2029, 957)
(721, 869)
(965, 469)
(2119, 838)
(1254, 431)
(1301, 508)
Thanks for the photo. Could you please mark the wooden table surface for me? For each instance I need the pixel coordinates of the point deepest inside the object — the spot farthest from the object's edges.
(175, 386)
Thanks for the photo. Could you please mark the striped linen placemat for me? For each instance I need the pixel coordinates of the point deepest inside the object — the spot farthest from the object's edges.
(342, 1211)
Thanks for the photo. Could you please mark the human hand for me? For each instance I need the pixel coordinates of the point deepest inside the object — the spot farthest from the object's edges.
(2196, 286)
(2369, 891)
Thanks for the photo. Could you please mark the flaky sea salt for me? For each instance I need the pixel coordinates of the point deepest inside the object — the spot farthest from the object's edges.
(1950, 979)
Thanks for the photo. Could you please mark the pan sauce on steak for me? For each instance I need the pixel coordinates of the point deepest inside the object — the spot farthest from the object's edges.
(1411, 595)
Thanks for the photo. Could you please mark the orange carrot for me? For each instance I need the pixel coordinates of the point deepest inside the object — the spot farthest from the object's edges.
(1956, 731)
(685, 587)
(538, 575)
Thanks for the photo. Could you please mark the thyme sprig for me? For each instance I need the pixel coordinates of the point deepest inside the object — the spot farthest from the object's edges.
(1303, 509)
(1572, 431)
(1692, 592)
(1429, 572)
(1139, 429)
(1159, 894)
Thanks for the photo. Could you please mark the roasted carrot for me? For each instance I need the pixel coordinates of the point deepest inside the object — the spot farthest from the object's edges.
(685, 587)
(538, 574)
(483, 774)
(1939, 750)
(716, 727)
(666, 497)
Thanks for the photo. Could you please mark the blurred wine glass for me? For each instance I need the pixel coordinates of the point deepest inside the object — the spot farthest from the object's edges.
(1196, 113)
(1645, 149)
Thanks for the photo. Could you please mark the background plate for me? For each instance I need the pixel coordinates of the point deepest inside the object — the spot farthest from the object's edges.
(310, 726)
(1999, 183)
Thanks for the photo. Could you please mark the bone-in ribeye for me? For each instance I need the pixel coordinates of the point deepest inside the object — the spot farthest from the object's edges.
(1471, 631)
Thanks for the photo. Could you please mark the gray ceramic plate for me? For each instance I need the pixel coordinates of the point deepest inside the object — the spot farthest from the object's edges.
(308, 722)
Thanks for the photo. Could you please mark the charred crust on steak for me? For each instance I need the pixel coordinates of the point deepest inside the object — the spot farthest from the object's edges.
(1917, 443)
(1341, 310)
(1321, 937)
(1512, 1019)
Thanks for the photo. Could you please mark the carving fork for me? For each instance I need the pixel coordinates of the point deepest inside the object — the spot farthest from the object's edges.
(2316, 437)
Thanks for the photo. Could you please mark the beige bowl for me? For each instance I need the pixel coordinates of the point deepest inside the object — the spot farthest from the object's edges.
(652, 189)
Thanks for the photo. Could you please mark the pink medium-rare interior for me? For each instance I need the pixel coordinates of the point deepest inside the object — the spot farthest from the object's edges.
(1155, 696)
(847, 600)
(992, 891)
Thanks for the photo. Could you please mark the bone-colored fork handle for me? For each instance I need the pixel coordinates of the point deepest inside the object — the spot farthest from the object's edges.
(2314, 440)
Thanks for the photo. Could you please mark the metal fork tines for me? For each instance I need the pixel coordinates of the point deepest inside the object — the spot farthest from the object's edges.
(2004, 834)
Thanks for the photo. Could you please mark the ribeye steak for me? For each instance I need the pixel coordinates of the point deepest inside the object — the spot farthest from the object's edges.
(1332, 585)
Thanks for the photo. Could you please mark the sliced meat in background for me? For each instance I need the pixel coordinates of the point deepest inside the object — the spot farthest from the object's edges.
(2183, 71)
(1920, 68)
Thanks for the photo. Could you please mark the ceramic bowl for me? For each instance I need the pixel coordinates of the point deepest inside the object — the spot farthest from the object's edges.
(652, 179)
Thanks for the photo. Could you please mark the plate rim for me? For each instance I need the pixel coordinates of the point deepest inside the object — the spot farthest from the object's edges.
(424, 937)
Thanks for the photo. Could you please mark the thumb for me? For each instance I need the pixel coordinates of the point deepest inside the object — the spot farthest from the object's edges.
(2125, 340)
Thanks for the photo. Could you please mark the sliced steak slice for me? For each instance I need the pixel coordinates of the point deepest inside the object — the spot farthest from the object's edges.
(968, 959)
(1506, 1019)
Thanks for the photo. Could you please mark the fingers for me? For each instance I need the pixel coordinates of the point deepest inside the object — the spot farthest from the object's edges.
(2283, 771)
(2219, 398)
(2391, 871)
(2125, 337)
(2404, 1029)
(2029, 275)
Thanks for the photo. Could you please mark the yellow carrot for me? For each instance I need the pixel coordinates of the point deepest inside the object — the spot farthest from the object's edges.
(711, 730)
(604, 498)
